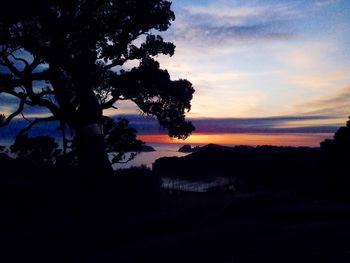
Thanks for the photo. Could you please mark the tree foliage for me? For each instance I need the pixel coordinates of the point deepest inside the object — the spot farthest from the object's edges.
(69, 57)
(339, 146)
(39, 150)
(121, 140)
(335, 163)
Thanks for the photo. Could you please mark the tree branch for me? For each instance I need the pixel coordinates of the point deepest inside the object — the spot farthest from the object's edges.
(36, 62)
(20, 96)
(8, 82)
(35, 122)
(114, 64)
(25, 62)
(109, 104)
(44, 75)
(46, 91)
(7, 63)
(14, 114)
(37, 100)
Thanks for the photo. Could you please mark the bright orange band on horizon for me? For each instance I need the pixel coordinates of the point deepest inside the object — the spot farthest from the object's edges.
(290, 139)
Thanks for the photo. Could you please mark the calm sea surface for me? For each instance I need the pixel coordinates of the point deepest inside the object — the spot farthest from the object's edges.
(144, 158)
(148, 158)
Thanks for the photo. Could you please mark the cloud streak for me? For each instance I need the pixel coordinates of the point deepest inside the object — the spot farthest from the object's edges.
(337, 104)
(222, 23)
(230, 12)
(149, 125)
(211, 35)
(280, 124)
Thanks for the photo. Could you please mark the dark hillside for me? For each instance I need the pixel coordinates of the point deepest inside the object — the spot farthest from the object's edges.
(254, 167)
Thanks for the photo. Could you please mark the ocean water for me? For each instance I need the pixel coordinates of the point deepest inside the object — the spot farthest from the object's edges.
(143, 158)
(199, 186)
(148, 158)
(166, 149)
(177, 184)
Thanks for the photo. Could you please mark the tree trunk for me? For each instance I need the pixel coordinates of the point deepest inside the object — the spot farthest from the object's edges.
(92, 155)
(89, 134)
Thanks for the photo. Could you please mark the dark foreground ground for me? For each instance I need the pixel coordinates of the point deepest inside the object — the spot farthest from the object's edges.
(192, 227)
(289, 205)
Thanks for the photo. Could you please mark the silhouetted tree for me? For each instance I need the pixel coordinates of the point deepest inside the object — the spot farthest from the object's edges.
(336, 156)
(121, 139)
(2, 147)
(340, 144)
(66, 56)
(39, 150)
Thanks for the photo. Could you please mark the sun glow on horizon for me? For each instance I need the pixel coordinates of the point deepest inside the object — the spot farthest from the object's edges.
(288, 139)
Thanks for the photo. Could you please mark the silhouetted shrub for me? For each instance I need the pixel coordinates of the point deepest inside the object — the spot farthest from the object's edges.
(39, 150)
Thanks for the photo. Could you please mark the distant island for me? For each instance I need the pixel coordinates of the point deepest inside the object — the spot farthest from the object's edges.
(146, 148)
(188, 149)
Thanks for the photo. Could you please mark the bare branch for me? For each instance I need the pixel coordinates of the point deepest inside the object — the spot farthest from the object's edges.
(109, 104)
(36, 62)
(46, 91)
(25, 118)
(38, 100)
(7, 82)
(25, 62)
(7, 63)
(20, 96)
(14, 114)
(44, 75)
(35, 122)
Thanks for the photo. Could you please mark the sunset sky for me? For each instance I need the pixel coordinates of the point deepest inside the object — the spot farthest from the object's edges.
(255, 59)
(263, 58)
(259, 68)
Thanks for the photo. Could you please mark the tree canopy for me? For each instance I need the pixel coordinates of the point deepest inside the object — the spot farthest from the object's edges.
(339, 146)
(69, 57)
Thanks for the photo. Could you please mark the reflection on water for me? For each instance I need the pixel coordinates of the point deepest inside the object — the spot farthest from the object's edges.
(177, 184)
(144, 158)
(199, 186)
(148, 158)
